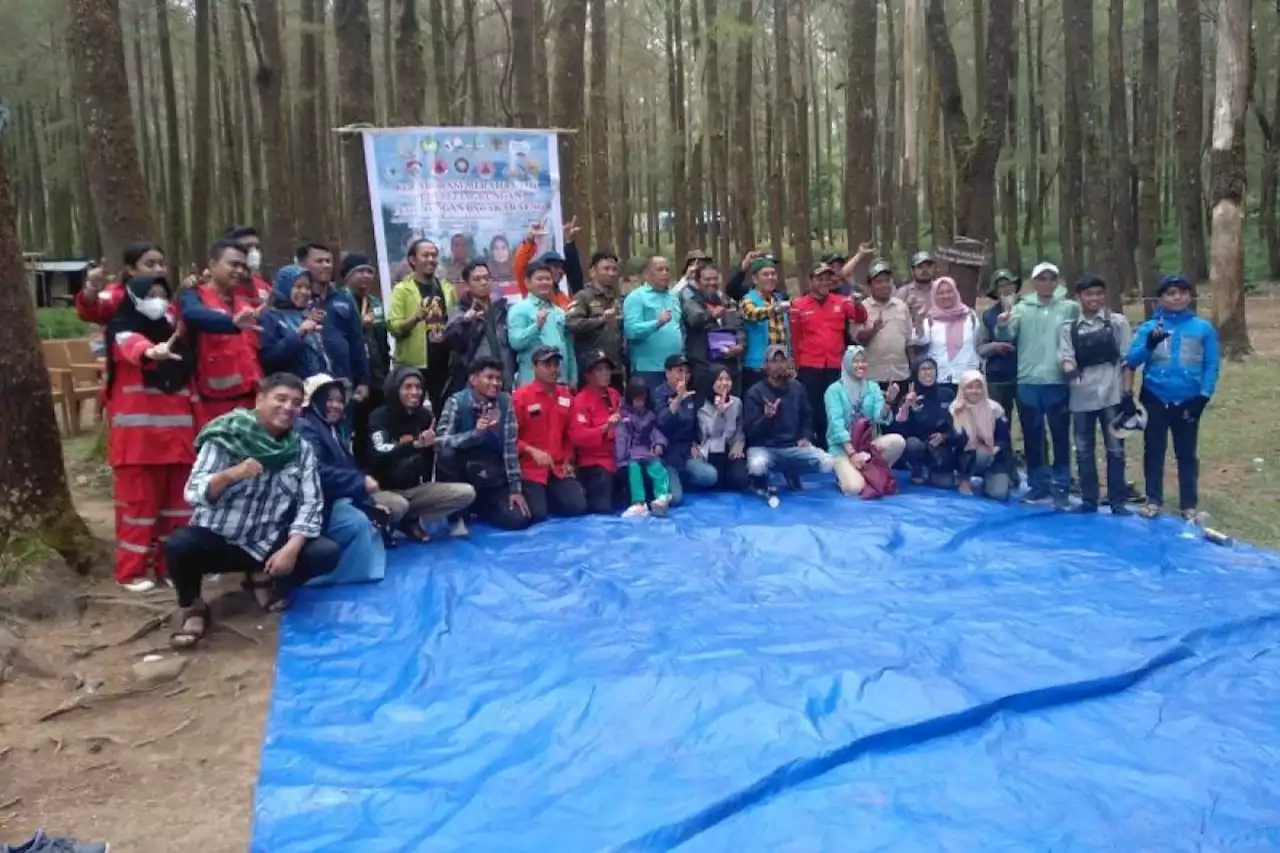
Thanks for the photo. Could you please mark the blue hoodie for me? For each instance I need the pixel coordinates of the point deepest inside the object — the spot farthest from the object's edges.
(1185, 364)
(282, 348)
(340, 476)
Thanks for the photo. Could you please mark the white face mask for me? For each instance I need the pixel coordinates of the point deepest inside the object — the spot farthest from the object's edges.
(254, 258)
(153, 307)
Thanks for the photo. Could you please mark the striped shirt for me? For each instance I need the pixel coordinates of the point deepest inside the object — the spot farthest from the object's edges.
(257, 513)
(449, 437)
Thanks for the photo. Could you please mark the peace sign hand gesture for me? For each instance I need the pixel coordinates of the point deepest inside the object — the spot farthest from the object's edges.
(164, 351)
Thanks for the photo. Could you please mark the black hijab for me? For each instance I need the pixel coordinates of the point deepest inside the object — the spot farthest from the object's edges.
(167, 376)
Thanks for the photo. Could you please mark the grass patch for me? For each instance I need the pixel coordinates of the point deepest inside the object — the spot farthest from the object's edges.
(60, 324)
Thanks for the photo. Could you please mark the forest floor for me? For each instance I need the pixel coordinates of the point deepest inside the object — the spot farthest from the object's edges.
(174, 764)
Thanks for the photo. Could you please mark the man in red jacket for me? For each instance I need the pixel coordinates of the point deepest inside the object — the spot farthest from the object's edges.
(593, 420)
(546, 459)
(820, 321)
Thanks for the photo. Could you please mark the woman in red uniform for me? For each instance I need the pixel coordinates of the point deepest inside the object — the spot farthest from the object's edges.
(151, 411)
(98, 301)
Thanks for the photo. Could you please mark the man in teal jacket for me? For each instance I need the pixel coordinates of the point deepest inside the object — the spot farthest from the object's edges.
(651, 323)
(536, 321)
(1034, 326)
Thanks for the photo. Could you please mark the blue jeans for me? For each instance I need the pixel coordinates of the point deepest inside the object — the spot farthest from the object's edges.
(787, 460)
(1038, 404)
(697, 475)
(1086, 425)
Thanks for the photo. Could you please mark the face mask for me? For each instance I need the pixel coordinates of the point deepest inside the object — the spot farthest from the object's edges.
(153, 308)
(254, 258)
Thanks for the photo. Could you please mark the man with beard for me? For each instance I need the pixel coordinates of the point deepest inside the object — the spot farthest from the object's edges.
(420, 306)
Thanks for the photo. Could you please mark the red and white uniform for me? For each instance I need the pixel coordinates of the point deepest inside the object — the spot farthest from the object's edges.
(98, 308)
(150, 447)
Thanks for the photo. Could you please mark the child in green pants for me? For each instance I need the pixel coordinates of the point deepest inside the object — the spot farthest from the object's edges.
(638, 446)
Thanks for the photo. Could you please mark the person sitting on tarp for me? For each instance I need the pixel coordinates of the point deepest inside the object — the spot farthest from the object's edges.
(981, 439)
(593, 425)
(924, 419)
(348, 504)
(1178, 354)
(722, 441)
(402, 438)
(536, 322)
(478, 328)
(779, 426)
(542, 410)
(256, 508)
(477, 438)
(676, 404)
(638, 450)
(852, 398)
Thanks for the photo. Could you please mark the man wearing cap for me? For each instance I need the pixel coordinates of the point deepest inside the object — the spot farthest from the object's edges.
(1091, 350)
(568, 265)
(593, 423)
(537, 322)
(1179, 356)
(651, 323)
(821, 324)
(676, 404)
(478, 327)
(360, 280)
(779, 426)
(1034, 326)
(341, 333)
(713, 332)
(542, 410)
(919, 290)
(694, 260)
(765, 316)
(888, 330)
(594, 318)
(420, 306)
(844, 270)
(1000, 360)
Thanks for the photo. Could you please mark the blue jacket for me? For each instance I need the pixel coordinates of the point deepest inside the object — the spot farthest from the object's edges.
(340, 476)
(524, 336)
(344, 337)
(680, 428)
(649, 344)
(281, 348)
(841, 414)
(1184, 365)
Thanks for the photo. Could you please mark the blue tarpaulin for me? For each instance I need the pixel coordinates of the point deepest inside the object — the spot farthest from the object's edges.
(922, 673)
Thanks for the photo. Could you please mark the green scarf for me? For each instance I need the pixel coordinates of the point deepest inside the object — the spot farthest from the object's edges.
(239, 433)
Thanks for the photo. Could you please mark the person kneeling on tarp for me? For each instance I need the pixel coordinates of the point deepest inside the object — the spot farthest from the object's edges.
(256, 506)
(980, 435)
(861, 458)
(477, 440)
(546, 458)
(593, 425)
(779, 426)
(402, 435)
(348, 506)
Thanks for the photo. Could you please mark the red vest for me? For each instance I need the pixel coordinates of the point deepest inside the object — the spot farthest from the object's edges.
(817, 329)
(226, 365)
(147, 427)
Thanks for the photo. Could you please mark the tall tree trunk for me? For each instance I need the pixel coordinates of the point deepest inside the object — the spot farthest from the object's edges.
(522, 60)
(1227, 163)
(1121, 162)
(1031, 179)
(912, 48)
(783, 114)
(250, 136)
(475, 95)
(1188, 132)
(859, 130)
(744, 170)
(1147, 119)
(202, 129)
(797, 142)
(938, 184)
(569, 112)
(440, 64)
(411, 68)
(599, 123)
(39, 209)
(541, 83)
(675, 102)
(774, 183)
(306, 141)
(888, 171)
(231, 168)
(1009, 194)
(356, 104)
(624, 222)
(35, 503)
(717, 142)
(1270, 190)
(693, 140)
(1071, 183)
(115, 178)
(265, 34)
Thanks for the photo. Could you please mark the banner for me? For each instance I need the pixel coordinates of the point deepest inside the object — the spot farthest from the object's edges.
(473, 191)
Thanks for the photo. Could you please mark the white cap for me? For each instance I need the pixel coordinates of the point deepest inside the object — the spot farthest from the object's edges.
(1042, 268)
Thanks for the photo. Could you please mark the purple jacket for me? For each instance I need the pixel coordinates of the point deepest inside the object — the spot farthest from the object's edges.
(636, 435)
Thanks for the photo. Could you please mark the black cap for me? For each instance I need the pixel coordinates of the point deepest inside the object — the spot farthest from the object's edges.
(678, 359)
(833, 258)
(546, 353)
(594, 357)
(535, 266)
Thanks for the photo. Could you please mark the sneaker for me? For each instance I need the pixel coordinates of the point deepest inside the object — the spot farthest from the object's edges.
(1036, 496)
(42, 843)
(660, 505)
(459, 529)
(140, 585)
(635, 511)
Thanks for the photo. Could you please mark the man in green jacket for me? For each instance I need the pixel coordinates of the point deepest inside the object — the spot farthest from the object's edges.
(1034, 326)
(420, 307)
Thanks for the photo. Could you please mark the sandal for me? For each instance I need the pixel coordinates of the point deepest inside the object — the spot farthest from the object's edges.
(272, 602)
(1149, 511)
(185, 638)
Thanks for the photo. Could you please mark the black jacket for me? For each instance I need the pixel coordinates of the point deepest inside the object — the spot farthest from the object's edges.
(398, 464)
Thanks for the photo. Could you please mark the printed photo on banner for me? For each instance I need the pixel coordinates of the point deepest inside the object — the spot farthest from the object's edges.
(474, 192)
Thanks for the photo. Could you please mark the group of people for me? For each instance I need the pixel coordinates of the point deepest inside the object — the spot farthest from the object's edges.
(291, 431)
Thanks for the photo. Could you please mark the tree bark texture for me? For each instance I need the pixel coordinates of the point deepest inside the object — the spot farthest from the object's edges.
(1227, 164)
(411, 67)
(356, 104)
(568, 111)
(202, 104)
(522, 61)
(860, 130)
(1147, 119)
(744, 180)
(265, 33)
(1188, 132)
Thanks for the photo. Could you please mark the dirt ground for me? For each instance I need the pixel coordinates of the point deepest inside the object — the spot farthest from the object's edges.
(169, 767)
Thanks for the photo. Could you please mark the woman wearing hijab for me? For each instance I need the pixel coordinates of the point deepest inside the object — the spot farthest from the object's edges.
(980, 435)
(852, 398)
(924, 420)
(293, 331)
(950, 333)
(152, 433)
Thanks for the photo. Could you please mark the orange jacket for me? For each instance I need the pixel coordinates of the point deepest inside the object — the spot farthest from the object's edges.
(524, 254)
